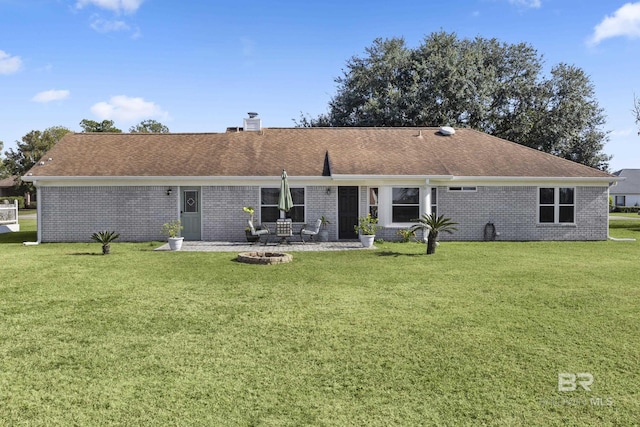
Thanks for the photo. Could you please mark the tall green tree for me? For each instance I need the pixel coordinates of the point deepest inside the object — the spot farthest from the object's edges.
(149, 126)
(570, 124)
(29, 151)
(484, 84)
(103, 126)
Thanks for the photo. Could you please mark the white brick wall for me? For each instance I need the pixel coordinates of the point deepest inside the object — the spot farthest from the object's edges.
(513, 210)
(319, 203)
(222, 214)
(72, 214)
(224, 219)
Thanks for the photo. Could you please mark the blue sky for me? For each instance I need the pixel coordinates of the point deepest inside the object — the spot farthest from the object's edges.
(200, 66)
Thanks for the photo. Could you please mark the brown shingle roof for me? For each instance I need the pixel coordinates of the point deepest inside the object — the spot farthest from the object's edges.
(302, 152)
(7, 182)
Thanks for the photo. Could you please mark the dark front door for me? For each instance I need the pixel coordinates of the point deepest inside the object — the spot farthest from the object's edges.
(347, 212)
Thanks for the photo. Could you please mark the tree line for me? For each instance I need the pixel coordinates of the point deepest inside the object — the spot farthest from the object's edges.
(36, 143)
(484, 84)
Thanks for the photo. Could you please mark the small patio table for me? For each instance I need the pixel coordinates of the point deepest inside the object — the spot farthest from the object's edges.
(284, 229)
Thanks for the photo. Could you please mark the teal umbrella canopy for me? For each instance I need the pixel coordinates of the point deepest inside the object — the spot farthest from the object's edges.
(285, 202)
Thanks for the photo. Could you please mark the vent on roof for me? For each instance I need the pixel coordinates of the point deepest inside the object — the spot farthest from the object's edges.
(253, 123)
(447, 130)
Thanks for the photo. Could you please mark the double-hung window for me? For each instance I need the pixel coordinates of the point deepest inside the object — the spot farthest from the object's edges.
(434, 201)
(269, 211)
(405, 204)
(556, 205)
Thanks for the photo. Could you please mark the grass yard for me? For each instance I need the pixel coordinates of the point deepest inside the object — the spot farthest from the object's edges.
(473, 335)
(624, 215)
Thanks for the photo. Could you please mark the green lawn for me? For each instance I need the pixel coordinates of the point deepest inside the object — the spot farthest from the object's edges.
(473, 335)
(624, 215)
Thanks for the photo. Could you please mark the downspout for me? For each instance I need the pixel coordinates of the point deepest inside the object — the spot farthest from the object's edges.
(38, 220)
(623, 239)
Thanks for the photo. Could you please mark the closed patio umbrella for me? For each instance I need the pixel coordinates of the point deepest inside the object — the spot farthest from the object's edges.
(285, 202)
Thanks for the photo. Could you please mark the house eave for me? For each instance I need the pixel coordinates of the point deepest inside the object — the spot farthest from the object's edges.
(486, 180)
(529, 180)
(320, 180)
(344, 177)
(166, 180)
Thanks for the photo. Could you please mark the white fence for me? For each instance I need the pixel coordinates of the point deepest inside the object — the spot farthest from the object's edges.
(9, 217)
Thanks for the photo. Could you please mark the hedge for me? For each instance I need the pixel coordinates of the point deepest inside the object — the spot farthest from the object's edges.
(627, 209)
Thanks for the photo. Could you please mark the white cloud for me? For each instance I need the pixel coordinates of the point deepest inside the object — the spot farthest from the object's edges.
(624, 22)
(51, 95)
(128, 109)
(127, 6)
(527, 3)
(9, 64)
(105, 26)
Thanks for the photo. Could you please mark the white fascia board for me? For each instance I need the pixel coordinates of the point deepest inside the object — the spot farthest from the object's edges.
(75, 181)
(379, 180)
(377, 177)
(526, 180)
(435, 180)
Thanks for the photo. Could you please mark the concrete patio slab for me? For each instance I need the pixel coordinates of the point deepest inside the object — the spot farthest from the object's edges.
(246, 247)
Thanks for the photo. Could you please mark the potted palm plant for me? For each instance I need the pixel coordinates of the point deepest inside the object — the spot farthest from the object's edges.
(105, 238)
(172, 230)
(435, 225)
(247, 231)
(366, 229)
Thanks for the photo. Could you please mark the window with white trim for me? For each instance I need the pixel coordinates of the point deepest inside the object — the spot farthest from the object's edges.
(373, 201)
(405, 204)
(269, 211)
(621, 201)
(434, 201)
(556, 205)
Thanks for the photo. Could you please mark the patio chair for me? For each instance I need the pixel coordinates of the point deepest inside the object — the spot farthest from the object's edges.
(310, 231)
(260, 232)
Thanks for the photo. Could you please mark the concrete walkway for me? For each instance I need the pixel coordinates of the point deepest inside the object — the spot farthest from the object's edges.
(271, 247)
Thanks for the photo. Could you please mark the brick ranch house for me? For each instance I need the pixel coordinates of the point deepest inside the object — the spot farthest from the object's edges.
(133, 183)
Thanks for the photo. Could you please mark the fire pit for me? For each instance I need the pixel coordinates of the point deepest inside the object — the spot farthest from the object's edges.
(264, 257)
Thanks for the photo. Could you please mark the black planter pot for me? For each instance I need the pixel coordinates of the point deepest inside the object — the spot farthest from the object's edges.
(250, 237)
